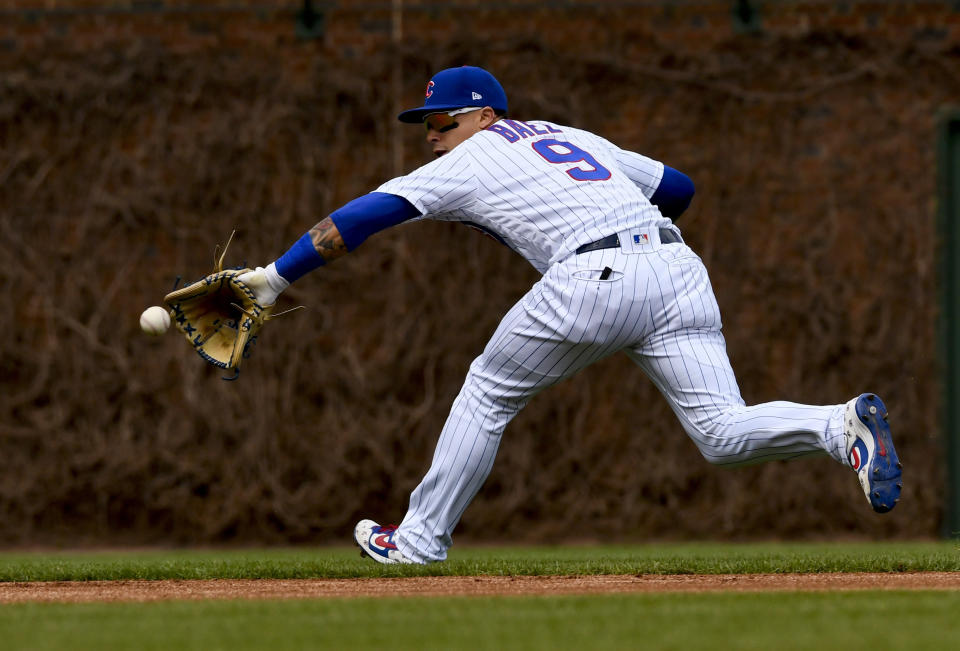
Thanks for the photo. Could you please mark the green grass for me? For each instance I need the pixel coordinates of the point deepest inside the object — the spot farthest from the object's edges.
(714, 621)
(346, 563)
(822, 621)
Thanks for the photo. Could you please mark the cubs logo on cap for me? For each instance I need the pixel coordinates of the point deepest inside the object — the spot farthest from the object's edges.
(455, 88)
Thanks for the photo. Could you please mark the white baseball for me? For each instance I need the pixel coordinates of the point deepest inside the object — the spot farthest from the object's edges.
(155, 320)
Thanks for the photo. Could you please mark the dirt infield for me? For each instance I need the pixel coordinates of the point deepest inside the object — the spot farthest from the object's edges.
(142, 591)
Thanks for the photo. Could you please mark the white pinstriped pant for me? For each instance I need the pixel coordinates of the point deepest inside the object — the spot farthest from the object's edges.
(658, 307)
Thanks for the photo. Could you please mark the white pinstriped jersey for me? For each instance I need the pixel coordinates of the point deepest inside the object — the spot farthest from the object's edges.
(541, 188)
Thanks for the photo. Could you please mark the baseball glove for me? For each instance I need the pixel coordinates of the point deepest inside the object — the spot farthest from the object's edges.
(220, 316)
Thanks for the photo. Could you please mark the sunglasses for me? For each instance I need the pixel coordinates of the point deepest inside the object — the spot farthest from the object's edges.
(443, 122)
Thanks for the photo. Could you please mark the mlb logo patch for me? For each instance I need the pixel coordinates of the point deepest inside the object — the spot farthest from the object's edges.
(636, 240)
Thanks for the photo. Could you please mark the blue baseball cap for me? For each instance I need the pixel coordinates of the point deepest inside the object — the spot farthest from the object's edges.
(456, 88)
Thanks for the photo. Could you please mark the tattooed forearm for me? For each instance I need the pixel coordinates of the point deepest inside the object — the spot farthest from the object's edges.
(327, 241)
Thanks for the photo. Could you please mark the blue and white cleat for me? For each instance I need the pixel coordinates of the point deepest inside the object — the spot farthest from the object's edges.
(870, 451)
(377, 543)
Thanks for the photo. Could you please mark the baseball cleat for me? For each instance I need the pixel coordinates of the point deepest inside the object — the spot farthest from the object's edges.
(377, 542)
(870, 451)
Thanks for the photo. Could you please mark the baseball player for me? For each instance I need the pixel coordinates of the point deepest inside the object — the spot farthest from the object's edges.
(596, 221)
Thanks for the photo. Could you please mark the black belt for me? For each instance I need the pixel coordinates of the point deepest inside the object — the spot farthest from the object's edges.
(667, 236)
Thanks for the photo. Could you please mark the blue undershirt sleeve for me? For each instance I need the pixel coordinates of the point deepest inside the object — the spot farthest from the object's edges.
(674, 193)
(356, 221)
(299, 260)
(369, 214)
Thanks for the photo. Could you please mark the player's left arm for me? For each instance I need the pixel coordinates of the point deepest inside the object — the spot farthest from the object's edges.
(673, 194)
(331, 238)
(668, 189)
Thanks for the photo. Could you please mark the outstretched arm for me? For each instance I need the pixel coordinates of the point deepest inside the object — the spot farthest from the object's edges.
(327, 240)
(333, 237)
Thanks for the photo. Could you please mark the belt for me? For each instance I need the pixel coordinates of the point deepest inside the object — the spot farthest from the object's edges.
(667, 236)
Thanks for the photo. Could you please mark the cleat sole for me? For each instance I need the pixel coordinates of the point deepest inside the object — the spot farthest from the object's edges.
(885, 467)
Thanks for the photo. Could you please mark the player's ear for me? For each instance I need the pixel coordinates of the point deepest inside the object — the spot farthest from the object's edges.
(487, 117)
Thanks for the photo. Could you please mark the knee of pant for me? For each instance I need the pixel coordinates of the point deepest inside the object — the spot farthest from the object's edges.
(492, 406)
(716, 455)
(488, 397)
(720, 461)
(495, 388)
(713, 447)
